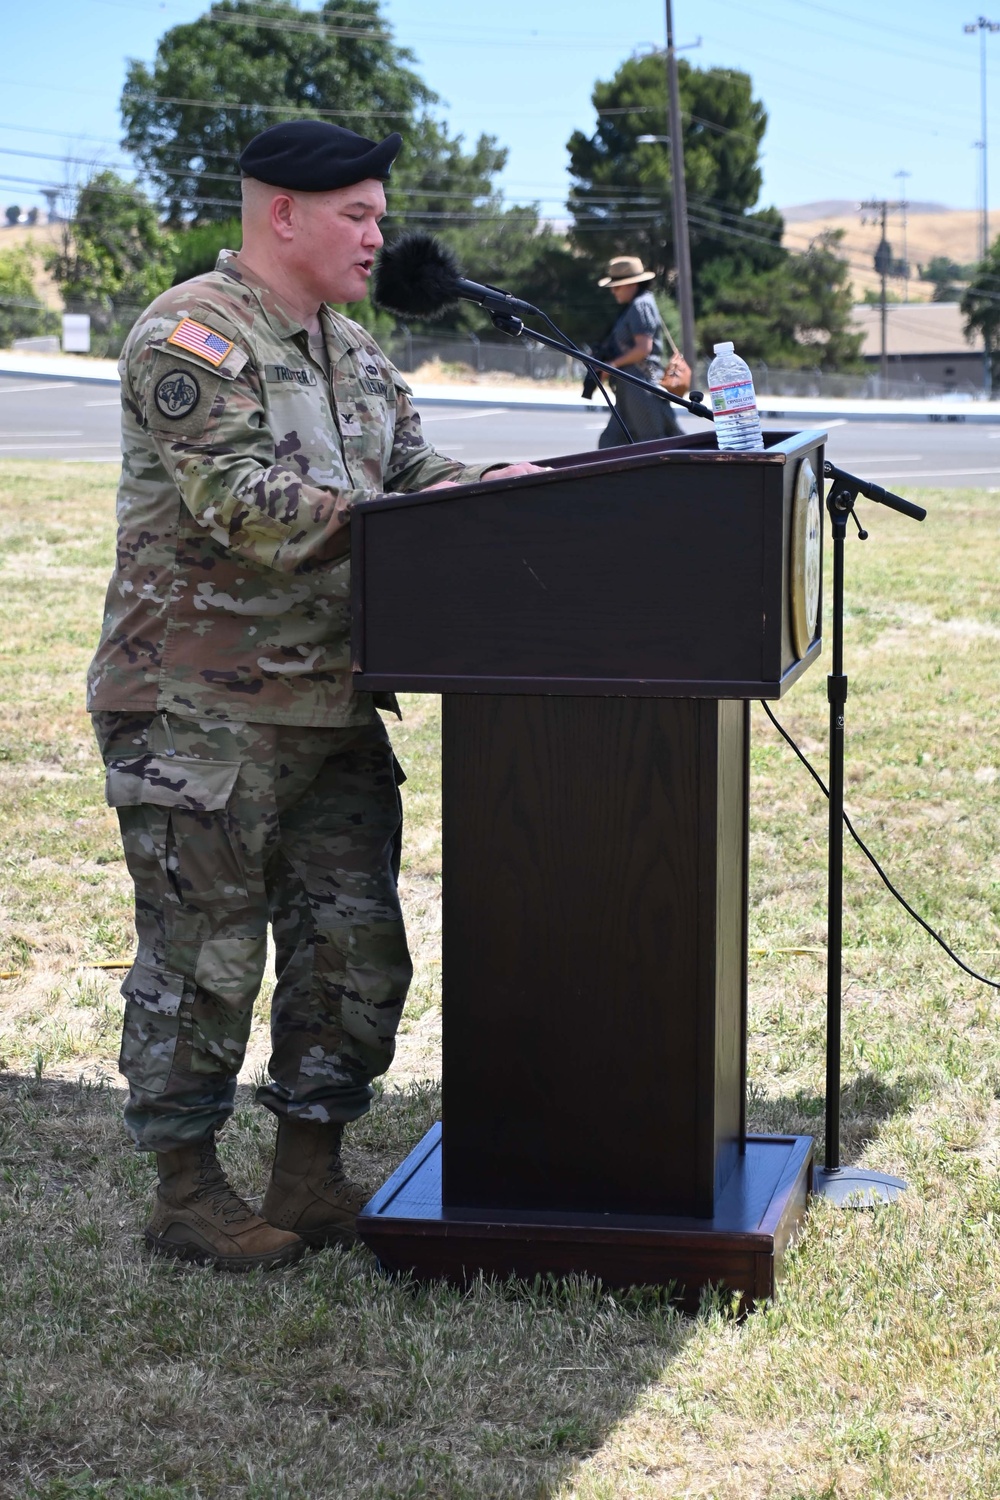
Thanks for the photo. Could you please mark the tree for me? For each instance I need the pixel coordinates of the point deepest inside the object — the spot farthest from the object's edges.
(219, 80)
(795, 314)
(197, 249)
(621, 200)
(981, 306)
(274, 62)
(22, 315)
(12, 213)
(747, 287)
(114, 256)
(948, 277)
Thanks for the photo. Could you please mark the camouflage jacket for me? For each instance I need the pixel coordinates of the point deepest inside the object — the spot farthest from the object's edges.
(240, 464)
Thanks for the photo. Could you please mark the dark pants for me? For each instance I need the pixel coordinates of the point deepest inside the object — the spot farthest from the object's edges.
(246, 826)
(646, 417)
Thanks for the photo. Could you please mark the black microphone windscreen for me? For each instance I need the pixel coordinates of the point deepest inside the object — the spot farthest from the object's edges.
(416, 276)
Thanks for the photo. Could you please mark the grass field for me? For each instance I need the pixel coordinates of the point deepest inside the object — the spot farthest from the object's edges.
(874, 1374)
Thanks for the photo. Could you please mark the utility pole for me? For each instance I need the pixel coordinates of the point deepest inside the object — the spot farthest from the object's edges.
(682, 245)
(880, 207)
(982, 25)
(903, 175)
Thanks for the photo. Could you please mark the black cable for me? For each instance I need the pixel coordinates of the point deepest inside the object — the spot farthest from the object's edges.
(995, 984)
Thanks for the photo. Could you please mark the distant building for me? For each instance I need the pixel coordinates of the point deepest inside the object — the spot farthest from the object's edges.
(926, 344)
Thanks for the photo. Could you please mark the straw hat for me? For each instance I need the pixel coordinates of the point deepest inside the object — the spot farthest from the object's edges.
(625, 270)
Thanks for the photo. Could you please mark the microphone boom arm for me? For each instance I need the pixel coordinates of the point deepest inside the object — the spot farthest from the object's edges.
(507, 322)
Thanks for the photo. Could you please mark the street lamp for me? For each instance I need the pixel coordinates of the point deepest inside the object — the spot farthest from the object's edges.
(982, 25)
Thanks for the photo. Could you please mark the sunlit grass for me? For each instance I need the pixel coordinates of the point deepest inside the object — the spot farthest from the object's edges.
(875, 1372)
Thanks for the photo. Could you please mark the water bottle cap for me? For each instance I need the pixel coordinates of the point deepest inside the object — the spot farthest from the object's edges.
(723, 348)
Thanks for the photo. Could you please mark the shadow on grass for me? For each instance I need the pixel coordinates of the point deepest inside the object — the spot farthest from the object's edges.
(133, 1378)
(866, 1102)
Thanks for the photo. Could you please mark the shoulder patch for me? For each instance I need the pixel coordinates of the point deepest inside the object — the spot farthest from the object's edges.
(176, 394)
(198, 339)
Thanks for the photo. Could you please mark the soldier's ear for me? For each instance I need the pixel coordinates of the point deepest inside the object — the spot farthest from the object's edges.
(283, 215)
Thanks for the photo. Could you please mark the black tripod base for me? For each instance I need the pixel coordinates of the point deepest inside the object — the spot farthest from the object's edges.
(853, 1187)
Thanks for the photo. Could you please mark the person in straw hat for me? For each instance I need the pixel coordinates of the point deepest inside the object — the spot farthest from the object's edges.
(636, 344)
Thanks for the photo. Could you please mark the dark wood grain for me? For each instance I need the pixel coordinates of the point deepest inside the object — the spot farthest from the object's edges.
(591, 629)
(661, 570)
(593, 870)
(410, 1230)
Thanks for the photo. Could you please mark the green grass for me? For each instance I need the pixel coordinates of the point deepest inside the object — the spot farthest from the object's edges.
(874, 1374)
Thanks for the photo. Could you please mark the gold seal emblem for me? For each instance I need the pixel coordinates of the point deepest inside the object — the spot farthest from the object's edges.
(806, 562)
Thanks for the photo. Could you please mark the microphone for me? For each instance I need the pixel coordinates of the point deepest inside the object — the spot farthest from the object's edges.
(418, 277)
(874, 492)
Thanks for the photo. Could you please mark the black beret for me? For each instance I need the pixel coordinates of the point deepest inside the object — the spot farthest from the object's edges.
(312, 156)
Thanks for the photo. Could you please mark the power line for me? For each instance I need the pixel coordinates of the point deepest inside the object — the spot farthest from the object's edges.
(268, 109)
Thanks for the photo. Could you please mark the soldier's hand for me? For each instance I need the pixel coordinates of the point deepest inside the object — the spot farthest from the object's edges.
(511, 471)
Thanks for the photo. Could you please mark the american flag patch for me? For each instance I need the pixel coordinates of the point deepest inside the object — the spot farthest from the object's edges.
(201, 340)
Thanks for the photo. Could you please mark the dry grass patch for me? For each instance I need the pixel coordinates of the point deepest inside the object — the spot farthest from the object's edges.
(874, 1374)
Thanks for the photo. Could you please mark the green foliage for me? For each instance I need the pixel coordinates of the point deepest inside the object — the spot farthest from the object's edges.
(114, 257)
(981, 305)
(12, 213)
(795, 314)
(946, 274)
(196, 249)
(439, 187)
(788, 310)
(621, 199)
(873, 297)
(276, 63)
(22, 315)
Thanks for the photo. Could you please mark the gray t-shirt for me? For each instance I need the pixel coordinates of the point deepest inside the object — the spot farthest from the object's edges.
(641, 315)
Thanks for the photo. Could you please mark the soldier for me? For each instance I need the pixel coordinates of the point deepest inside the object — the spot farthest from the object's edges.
(253, 785)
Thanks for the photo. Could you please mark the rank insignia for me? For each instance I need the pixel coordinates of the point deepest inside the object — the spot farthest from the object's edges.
(198, 339)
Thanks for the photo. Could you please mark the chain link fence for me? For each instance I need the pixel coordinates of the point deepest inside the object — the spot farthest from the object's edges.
(514, 356)
(522, 358)
(866, 386)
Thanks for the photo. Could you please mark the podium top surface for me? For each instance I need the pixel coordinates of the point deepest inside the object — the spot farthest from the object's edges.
(698, 448)
(666, 568)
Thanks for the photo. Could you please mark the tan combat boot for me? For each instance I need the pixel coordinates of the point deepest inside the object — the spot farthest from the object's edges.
(309, 1191)
(199, 1217)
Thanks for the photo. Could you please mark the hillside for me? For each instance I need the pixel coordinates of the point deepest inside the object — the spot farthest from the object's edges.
(934, 231)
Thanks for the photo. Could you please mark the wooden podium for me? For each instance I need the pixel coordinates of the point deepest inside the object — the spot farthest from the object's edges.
(597, 633)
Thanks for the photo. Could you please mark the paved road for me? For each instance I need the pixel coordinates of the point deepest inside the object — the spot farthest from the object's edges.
(78, 423)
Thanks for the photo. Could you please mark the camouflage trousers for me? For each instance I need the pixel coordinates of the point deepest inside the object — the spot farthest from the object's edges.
(229, 828)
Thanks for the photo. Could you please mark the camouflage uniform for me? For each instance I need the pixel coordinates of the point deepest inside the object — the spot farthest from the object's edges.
(252, 783)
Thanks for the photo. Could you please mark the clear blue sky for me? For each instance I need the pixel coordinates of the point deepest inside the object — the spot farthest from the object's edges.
(855, 92)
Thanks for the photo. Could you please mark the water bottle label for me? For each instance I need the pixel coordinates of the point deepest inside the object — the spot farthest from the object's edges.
(738, 397)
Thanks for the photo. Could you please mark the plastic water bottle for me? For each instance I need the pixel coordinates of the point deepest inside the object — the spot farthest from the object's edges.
(730, 385)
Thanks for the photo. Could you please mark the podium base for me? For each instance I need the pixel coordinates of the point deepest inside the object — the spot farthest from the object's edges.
(740, 1248)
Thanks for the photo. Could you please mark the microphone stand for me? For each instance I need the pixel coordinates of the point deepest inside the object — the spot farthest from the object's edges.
(506, 322)
(846, 1187)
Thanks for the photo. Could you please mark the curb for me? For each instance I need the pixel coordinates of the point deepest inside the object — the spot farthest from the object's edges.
(805, 409)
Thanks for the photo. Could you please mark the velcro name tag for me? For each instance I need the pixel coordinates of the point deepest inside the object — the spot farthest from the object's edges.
(197, 339)
(286, 375)
(375, 387)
